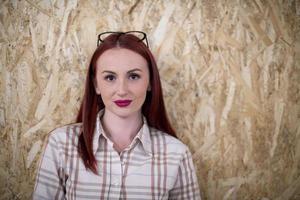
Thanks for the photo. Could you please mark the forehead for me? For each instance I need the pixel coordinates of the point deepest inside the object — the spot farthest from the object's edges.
(121, 57)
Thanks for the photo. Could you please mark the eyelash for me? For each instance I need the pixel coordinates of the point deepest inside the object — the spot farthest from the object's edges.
(132, 76)
(110, 77)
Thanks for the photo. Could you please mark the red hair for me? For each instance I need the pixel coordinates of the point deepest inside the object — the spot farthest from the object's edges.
(153, 108)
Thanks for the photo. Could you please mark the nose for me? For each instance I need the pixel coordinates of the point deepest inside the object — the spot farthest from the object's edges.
(122, 88)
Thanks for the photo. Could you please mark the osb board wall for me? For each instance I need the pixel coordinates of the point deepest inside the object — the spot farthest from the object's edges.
(230, 73)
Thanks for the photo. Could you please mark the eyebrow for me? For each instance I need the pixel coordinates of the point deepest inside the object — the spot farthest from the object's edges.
(110, 72)
(130, 71)
(133, 70)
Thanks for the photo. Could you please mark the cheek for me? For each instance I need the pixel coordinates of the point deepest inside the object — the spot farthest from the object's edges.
(103, 88)
(141, 90)
(104, 91)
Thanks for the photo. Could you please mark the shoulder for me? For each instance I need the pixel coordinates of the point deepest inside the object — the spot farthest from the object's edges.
(163, 140)
(60, 144)
(65, 134)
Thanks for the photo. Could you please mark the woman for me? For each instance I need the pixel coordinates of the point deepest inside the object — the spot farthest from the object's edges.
(123, 146)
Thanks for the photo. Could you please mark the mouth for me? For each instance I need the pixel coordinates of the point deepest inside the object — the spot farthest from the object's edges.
(122, 103)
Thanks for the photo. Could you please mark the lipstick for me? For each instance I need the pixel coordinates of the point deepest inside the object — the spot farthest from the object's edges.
(122, 103)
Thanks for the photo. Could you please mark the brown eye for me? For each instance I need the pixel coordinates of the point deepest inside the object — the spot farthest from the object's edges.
(110, 77)
(134, 76)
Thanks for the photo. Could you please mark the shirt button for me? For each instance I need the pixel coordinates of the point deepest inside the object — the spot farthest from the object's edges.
(115, 183)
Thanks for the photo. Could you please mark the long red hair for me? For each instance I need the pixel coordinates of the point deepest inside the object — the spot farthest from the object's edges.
(153, 108)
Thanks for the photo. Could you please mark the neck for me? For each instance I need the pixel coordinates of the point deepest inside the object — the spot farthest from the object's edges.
(121, 130)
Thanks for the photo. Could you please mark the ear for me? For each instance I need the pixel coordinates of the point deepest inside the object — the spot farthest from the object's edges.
(149, 88)
(96, 87)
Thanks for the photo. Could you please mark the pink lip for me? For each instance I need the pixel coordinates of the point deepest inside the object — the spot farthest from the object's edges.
(122, 103)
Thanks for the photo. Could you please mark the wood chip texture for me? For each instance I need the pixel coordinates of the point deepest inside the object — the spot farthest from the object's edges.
(230, 72)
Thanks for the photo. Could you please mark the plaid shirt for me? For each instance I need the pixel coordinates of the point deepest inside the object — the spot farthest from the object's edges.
(155, 166)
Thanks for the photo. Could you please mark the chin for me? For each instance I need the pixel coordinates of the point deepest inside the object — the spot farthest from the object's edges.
(126, 112)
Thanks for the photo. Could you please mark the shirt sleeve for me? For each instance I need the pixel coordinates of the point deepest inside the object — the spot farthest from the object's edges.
(186, 185)
(50, 183)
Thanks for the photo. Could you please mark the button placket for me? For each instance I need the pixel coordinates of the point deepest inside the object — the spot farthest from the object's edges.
(123, 161)
(116, 175)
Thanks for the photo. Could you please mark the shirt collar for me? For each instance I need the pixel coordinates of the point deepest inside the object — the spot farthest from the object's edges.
(143, 135)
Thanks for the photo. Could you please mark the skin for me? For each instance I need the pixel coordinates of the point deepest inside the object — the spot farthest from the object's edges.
(122, 74)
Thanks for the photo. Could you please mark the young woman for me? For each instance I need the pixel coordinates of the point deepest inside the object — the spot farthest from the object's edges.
(123, 146)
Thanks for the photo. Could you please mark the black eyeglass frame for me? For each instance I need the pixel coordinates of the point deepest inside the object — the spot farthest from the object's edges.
(122, 33)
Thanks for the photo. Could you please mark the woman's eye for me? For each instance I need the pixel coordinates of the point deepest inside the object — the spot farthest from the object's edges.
(134, 76)
(110, 77)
